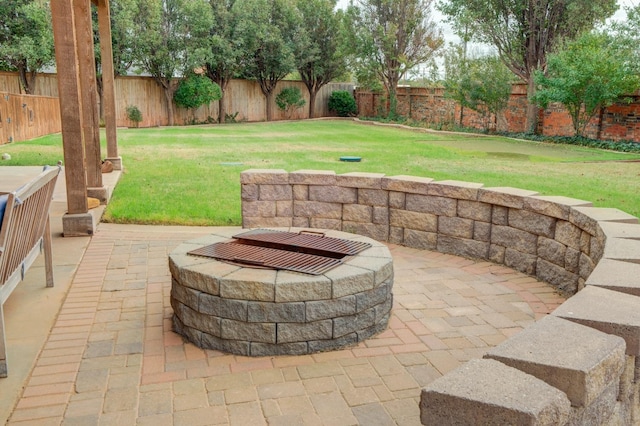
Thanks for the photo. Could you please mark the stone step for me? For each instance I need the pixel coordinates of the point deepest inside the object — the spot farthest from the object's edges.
(578, 360)
(622, 249)
(616, 275)
(609, 311)
(485, 391)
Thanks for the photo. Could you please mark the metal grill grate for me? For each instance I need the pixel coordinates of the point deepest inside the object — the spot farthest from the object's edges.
(307, 252)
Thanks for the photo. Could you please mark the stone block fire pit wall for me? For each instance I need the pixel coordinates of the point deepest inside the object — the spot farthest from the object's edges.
(579, 366)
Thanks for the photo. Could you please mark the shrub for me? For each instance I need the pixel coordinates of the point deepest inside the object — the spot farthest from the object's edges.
(342, 103)
(134, 114)
(289, 99)
(196, 90)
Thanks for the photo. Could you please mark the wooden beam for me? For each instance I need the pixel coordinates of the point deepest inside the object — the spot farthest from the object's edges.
(108, 79)
(88, 91)
(70, 111)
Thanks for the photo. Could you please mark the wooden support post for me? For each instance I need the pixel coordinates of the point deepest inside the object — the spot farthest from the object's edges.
(70, 111)
(108, 83)
(88, 91)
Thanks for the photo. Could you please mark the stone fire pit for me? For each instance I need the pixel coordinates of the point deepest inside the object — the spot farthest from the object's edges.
(254, 311)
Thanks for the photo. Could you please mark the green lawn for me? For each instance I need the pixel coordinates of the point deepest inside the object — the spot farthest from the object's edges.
(190, 175)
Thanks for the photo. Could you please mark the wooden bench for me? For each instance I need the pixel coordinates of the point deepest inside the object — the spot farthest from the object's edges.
(24, 233)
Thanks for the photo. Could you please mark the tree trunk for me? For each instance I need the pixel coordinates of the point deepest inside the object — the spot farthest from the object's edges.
(222, 109)
(24, 81)
(169, 98)
(312, 103)
(532, 108)
(393, 102)
(268, 97)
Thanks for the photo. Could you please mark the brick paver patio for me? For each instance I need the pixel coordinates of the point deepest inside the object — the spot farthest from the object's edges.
(111, 357)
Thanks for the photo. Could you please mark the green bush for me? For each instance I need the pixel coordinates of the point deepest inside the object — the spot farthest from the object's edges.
(134, 114)
(342, 103)
(196, 90)
(289, 99)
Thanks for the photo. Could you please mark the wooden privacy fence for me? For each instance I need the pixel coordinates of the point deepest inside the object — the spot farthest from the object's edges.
(25, 117)
(41, 115)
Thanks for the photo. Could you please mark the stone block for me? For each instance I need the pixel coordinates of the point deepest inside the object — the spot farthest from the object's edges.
(487, 392)
(496, 253)
(312, 177)
(80, 224)
(397, 200)
(301, 222)
(230, 346)
(353, 323)
(203, 277)
(316, 209)
(294, 287)
(552, 251)
(333, 194)
(258, 208)
(284, 209)
(585, 242)
(380, 215)
(249, 192)
(587, 218)
(554, 206)
(382, 266)
(623, 249)
(532, 222)
(323, 223)
(620, 230)
(296, 332)
(264, 176)
(429, 204)
(383, 311)
(360, 180)
(605, 410)
(463, 247)
(193, 319)
(377, 232)
(522, 262)
(357, 213)
(373, 197)
(275, 193)
(249, 284)
(572, 260)
(455, 227)
(348, 280)
(420, 240)
(396, 235)
(184, 295)
(300, 192)
(267, 349)
(426, 222)
(474, 210)
(328, 345)
(499, 215)
(251, 332)
(516, 239)
(368, 299)
(504, 196)
(408, 184)
(585, 266)
(369, 332)
(482, 231)
(455, 189)
(223, 308)
(275, 312)
(616, 275)
(324, 309)
(609, 311)
(578, 360)
(568, 234)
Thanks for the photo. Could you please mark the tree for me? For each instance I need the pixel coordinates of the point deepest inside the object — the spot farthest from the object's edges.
(319, 56)
(484, 85)
(224, 61)
(26, 39)
(390, 37)
(587, 75)
(172, 39)
(525, 31)
(267, 30)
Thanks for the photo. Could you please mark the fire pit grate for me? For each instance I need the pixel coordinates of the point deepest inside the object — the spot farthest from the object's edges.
(307, 252)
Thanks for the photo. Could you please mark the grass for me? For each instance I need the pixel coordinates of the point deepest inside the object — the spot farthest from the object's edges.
(191, 175)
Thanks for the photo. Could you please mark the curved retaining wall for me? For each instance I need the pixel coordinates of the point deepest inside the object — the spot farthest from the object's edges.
(580, 365)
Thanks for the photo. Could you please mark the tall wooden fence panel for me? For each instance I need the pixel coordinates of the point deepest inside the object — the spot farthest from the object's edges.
(25, 117)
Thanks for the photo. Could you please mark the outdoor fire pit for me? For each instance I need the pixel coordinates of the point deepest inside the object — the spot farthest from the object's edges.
(280, 291)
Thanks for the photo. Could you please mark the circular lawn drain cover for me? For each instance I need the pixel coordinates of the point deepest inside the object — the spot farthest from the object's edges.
(351, 159)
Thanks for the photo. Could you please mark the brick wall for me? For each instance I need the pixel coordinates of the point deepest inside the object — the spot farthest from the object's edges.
(617, 122)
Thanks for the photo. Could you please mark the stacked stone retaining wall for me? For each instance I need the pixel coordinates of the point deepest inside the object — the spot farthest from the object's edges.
(581, 365)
